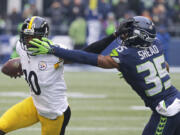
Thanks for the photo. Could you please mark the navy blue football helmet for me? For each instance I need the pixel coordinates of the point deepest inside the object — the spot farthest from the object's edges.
(142, 32)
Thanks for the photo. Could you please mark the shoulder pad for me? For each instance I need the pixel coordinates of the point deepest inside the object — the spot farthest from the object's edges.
(123, 50)
(158, 43)
(114, 53)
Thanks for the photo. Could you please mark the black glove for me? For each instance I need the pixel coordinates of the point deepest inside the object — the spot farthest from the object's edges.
(124, 27)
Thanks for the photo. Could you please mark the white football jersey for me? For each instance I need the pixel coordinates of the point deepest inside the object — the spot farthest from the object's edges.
(45, 75)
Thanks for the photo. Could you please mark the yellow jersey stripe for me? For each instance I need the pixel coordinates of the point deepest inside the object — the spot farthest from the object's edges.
(30, 23)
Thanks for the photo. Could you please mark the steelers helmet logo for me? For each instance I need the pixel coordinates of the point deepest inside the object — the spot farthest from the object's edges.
(42, 65)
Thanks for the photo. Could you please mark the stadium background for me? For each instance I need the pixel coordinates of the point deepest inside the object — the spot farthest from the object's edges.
(101, 103)
(80, 22)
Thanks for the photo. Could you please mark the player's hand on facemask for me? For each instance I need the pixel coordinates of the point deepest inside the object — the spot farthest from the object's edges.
(124, 27)
(43, 46)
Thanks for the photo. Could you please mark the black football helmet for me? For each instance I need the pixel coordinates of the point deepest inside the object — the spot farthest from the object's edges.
(34, 27)
(142, 32)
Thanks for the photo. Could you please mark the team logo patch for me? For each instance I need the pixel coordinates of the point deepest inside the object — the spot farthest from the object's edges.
(42, 65)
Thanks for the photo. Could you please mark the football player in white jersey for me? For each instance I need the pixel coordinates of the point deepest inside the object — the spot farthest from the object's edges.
(45, 75)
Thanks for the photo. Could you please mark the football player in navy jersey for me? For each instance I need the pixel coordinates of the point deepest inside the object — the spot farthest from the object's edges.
(140, 58)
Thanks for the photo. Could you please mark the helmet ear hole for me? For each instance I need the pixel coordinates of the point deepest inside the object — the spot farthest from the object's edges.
(136, 32)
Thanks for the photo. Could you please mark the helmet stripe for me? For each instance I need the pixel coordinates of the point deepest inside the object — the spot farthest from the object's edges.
(30, 23)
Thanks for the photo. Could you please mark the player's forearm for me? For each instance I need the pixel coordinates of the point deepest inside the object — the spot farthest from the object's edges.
(76, 56)
(99, 46)
(85, 57)
(106, 62)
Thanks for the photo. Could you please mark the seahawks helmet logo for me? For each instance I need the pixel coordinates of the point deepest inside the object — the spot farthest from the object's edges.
(143, 35)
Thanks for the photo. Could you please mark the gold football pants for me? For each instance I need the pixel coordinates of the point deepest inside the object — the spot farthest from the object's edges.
(24, 114)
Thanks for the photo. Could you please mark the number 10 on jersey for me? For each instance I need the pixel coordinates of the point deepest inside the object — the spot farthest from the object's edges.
(32, 80)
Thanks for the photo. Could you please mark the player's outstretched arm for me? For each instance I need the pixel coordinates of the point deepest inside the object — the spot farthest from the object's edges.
(99, 46)
(79, 56)
(106, 62)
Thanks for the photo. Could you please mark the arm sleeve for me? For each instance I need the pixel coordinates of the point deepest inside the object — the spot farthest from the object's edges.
(76, 55)
(99, 46)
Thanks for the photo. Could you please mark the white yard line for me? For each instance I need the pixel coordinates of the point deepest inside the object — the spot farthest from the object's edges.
(124, 118)
(99, 108)
(69, 94)
(82, 95)
(14, 94)
(139, 108)
(104, 128)
(92, 129)
(80, 68)
(110, 108)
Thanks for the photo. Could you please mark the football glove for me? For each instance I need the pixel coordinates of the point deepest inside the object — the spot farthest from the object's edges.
(124, 27)
(43, 46)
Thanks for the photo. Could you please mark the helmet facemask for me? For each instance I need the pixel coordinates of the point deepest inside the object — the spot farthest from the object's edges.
(39, 28)
(142, 33)
(26, 39)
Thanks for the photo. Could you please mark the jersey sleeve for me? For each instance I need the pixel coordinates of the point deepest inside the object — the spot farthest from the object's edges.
(115, 56)
(98, 46)
(118, 54)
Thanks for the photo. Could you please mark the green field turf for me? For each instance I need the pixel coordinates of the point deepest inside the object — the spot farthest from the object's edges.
(101, 104)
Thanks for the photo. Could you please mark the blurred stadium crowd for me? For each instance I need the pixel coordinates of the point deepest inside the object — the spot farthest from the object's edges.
(62, 14)
(86, 21)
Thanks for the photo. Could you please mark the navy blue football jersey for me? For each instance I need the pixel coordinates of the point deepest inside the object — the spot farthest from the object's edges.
(145, 71)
